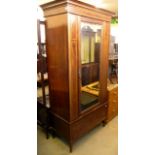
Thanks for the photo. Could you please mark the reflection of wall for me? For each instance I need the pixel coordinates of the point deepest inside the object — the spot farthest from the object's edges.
(90, 73)
(91, 35)
(92, 49)
(85, 49)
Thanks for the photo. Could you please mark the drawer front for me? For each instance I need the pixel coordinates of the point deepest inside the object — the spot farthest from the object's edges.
(88, 122)
(112, 104)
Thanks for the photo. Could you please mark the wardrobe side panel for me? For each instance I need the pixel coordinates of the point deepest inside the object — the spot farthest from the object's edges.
(57, 54)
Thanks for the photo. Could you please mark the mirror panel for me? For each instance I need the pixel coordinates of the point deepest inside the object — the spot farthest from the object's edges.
(89, 71)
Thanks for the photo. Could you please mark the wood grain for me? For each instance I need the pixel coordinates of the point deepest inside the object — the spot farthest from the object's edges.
(63, 20)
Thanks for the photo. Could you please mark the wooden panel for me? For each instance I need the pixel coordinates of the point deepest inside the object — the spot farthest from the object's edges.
(104, 61)
(83, 12)
(112, 104)
(55, 11)
(61, 126)
(57, 55)
(87, 122)
(75, 7)
(73, 65)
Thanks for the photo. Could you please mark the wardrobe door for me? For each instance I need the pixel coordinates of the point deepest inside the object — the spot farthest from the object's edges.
(89, 64)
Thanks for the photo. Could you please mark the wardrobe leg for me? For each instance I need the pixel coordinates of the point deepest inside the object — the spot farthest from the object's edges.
(53, 134)
(47, 135)
(70, 147)
(103, 123)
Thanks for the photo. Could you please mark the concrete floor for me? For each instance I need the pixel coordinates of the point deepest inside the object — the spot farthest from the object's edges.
(99, 141)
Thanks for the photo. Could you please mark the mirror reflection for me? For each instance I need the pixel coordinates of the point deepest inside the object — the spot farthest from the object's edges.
(90, 54)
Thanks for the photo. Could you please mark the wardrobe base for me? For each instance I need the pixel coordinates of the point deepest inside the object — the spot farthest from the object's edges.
(72, 131)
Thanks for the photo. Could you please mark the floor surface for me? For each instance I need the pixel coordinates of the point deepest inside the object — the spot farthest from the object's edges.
(99, 141)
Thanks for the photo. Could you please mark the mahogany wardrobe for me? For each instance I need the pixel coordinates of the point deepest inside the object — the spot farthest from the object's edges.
(78, 37)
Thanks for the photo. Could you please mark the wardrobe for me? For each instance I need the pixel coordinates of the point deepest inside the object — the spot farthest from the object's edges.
(77, 36)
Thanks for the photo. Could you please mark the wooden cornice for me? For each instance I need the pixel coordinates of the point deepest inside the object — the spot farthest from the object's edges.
(74, 6)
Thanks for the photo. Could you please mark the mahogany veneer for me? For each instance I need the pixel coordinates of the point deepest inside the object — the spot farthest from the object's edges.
(63, 19)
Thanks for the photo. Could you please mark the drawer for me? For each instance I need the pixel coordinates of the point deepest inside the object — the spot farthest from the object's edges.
(112, 103)
(112, 112)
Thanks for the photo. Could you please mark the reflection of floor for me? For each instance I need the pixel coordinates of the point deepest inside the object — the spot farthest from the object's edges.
(100, 141)
(87, 100)
(91, 88)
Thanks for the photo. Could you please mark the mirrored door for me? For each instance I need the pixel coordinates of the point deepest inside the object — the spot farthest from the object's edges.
(90, 44)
